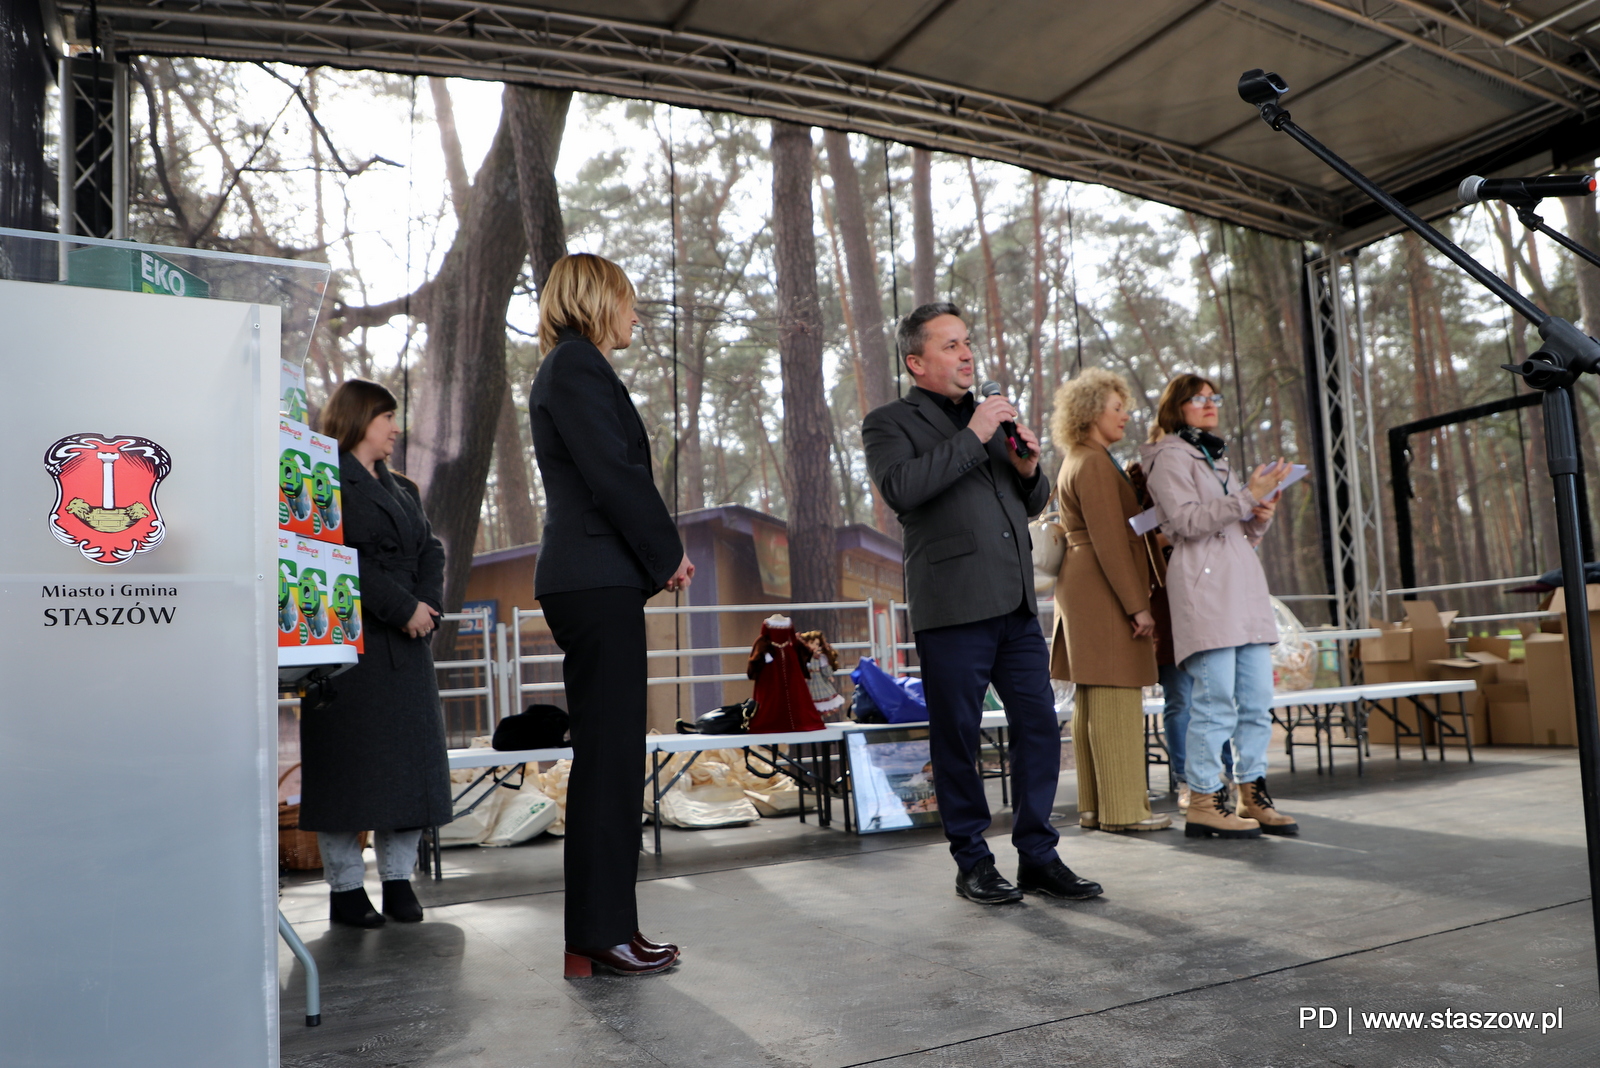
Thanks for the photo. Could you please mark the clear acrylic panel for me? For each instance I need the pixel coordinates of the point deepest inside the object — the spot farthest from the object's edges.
(296, 287)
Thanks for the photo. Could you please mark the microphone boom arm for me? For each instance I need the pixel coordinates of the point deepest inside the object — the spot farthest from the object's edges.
(1553, 370)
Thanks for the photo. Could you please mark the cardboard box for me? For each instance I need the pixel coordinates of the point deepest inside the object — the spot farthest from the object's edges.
(1552, 718)
(1499, 647)
(1510, 723)
(1514, 671)
(1380, 728)
(326, 583)
(292, 391)
(309, 498)
(1473, 702)
(1392, 646)
(1430, 635)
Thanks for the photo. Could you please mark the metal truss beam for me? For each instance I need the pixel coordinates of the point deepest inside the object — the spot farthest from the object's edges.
(511, 42)
(1538, 65)
(93, 176)
(1348, 465)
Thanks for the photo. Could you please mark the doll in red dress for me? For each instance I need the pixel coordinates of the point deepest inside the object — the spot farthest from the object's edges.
(783, 700)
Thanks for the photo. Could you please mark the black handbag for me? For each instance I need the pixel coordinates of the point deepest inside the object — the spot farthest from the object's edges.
(729, 719)
(864, 710)
(540, 727)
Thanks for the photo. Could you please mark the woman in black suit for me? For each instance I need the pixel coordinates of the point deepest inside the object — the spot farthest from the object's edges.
(609, 543)
(374, 751)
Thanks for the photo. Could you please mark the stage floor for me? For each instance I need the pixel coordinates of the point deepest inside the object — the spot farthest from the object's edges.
(1423, 888)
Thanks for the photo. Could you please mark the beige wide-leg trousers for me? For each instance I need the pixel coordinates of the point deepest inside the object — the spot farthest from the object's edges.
(1108, 741)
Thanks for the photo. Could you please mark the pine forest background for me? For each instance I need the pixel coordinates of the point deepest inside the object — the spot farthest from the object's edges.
(441, 205)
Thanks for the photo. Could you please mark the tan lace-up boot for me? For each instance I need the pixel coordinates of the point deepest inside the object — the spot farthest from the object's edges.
(1256, 803)
(1209, 815)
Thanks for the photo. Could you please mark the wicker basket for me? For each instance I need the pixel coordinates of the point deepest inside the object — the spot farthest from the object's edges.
(297, 849)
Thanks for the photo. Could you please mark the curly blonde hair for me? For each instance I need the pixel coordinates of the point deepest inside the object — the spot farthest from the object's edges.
(1080, 401)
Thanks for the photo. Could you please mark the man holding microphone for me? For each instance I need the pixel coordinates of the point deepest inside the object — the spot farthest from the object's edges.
(964, 478)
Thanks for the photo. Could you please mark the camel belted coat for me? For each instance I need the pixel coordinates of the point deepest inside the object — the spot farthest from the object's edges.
(1104, 579)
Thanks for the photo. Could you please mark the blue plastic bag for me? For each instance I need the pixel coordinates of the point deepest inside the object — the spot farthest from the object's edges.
(899, 699)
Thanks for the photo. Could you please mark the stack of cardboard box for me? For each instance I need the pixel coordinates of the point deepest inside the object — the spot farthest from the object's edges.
(1405, 652)
(1552, 719)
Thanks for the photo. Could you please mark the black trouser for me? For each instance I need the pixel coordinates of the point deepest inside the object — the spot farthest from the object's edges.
(958, 664)
(601, 632)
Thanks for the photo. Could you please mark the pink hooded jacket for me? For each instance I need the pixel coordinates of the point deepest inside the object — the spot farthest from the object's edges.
(1215, 584)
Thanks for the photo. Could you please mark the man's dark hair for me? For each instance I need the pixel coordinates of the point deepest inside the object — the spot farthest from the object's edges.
(910, 334)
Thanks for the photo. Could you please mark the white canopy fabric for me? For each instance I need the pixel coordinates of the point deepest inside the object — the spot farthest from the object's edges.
(1140, 96)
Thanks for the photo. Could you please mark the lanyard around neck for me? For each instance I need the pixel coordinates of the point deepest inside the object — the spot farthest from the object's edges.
(1221, 478)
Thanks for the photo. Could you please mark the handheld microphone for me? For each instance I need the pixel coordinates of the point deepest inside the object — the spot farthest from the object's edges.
(1474, 189)
(1018, 446)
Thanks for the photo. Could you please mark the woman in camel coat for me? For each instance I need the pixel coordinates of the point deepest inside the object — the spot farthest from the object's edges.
(1103, 638)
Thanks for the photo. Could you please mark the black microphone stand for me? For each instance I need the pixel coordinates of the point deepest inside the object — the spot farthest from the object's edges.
(1533, 221)
(1567, 353)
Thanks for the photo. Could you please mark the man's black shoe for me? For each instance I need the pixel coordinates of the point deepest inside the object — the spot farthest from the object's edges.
(1057, 880)
(985, 885)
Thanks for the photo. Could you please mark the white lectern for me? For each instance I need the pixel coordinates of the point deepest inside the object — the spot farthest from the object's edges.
(138, 730)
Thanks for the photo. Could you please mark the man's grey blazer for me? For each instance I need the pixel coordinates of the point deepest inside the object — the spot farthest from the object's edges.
(964, 510)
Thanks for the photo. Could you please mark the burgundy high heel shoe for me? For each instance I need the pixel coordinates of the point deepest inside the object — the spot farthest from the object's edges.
(654, 947)
(630, 958)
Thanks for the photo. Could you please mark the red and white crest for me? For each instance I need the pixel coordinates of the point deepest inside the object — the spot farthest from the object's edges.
(106, 494)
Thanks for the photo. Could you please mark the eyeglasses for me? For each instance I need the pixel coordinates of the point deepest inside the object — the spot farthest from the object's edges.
(1202, 400)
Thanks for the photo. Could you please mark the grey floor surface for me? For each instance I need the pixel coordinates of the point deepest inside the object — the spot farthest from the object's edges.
(1423, 888)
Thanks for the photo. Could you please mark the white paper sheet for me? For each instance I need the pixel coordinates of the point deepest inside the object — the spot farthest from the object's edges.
(1145, 521)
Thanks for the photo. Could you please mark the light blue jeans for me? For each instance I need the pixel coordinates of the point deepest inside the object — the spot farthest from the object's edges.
(345, 868)
(1176, 691)
(1231, 699)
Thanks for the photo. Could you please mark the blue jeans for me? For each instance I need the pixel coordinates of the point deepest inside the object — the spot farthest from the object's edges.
(342, 863)
(1231, 699)
(1176, 689)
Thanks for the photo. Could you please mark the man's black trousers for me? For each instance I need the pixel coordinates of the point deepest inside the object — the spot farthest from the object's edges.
(958, 664)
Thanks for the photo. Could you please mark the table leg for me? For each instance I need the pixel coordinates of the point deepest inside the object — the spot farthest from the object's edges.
(313, 981)
(655, 794)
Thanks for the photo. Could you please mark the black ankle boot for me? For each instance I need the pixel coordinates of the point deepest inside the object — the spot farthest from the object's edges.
(400, 901)
(353, 908)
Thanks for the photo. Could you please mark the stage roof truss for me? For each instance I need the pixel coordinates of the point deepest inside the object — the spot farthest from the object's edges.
(720, 55)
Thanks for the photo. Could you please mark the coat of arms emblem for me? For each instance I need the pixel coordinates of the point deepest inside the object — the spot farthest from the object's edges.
(106, 494)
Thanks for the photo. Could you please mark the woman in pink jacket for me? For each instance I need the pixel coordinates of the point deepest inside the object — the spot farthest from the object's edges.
(1222, 623)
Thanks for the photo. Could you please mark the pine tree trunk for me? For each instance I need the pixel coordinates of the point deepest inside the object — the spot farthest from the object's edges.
(464, 364)
(1583, 223)
(513, 494)
(538, 118)
(806, 438)
(993, 320)
(924, 285)
(865, 301)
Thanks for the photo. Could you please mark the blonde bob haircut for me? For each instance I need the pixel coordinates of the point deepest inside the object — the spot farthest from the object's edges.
(1169, 409)
(1080, 401)
(585, 293)
(352, 408)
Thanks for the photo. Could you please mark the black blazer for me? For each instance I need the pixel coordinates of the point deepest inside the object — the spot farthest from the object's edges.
(605, 522)
(964, 510)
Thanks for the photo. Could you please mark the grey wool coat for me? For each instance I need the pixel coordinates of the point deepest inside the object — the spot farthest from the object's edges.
(374, 754)
(964, 510)
(1215, 584)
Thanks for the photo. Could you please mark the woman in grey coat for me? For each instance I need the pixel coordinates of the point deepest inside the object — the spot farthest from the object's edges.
(373, 752)
(1222, 623)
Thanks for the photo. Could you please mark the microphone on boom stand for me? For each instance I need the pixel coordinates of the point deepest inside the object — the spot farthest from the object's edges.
(1018, 446)
(1524, 194)
(1474, 189)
